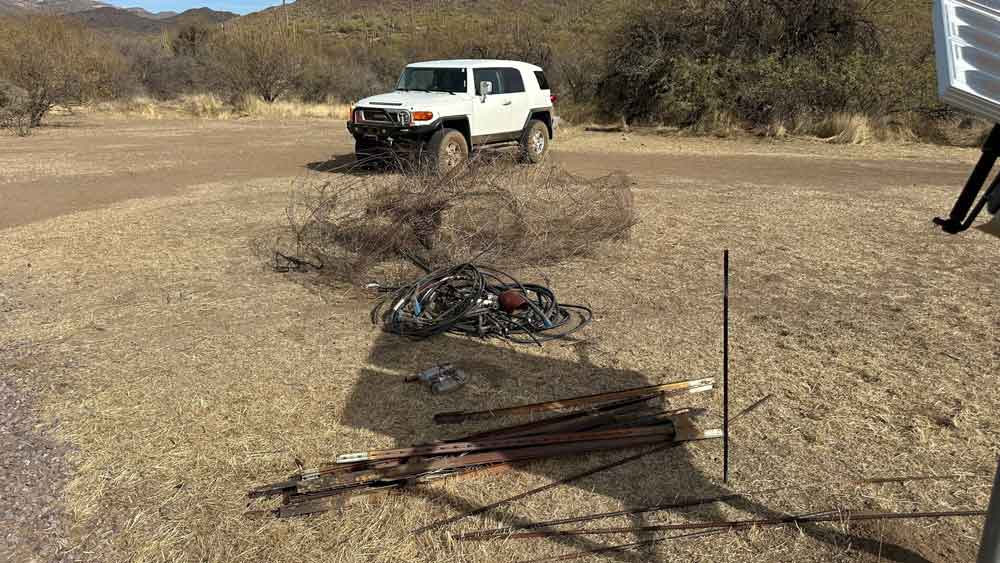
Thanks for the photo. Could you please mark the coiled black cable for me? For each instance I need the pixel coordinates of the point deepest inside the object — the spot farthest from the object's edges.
(481, 302)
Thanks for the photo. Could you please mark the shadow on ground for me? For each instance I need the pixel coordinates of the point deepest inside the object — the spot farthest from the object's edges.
(991, 227)
(503, 375)
(341, 164)
(349, 164)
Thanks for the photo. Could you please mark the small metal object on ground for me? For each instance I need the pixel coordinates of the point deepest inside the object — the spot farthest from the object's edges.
(441, 379)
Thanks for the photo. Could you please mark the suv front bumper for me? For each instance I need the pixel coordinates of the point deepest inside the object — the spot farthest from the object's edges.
(392, 135)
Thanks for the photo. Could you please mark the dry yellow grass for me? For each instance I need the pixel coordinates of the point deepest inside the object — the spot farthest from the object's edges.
(184, 371)
(852, 129)
(210, 106)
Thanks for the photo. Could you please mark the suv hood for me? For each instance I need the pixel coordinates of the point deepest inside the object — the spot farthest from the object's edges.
(413, 100)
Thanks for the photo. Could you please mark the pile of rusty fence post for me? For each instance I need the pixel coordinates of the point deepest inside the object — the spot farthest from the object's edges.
(614, 420)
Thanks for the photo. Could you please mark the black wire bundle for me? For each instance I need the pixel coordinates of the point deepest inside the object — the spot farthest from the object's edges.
(470, 300)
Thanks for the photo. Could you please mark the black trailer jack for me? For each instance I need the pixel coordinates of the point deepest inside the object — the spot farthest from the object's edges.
(961, 218)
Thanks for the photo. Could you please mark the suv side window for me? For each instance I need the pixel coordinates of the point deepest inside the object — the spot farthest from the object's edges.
(543, 83)
(491, 75)
(512, 82)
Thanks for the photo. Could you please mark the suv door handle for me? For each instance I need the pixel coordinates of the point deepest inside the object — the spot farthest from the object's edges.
(507, 103)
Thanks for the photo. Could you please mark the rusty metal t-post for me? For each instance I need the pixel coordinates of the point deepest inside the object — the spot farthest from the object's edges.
(989, 546)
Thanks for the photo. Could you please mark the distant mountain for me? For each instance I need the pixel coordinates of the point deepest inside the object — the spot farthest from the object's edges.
(107, 18)
(59, 6)
(8, 7)
(200, 15)
(127, 20)
(147, 14)
(102, 15)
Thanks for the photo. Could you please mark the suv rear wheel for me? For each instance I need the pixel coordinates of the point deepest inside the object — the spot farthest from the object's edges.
(534, 141)
(447, 149)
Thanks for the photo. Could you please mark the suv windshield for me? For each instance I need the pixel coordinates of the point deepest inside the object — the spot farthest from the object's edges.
(433, 79)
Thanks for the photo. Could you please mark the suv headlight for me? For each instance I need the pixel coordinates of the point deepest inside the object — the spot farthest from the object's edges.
(404, 118)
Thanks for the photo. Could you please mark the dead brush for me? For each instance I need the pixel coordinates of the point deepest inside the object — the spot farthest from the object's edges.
(490, 211)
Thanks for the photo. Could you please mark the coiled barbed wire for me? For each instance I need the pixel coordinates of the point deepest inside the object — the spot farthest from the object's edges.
(481, 302)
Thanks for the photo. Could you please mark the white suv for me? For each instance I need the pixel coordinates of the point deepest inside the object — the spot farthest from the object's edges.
(445, 109)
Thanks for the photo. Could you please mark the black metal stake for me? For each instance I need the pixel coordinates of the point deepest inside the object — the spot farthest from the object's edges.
(725, 366)
(989, 546)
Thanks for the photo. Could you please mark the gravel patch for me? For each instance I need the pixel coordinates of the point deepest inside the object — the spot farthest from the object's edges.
(33, 472)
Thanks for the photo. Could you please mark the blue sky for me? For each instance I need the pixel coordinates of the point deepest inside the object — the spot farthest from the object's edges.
(238, 6)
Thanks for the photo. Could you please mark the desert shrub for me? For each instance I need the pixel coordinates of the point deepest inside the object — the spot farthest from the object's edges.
(265, 58)
(575, 73)
(14, 109)
(347, 72)
(57, 61)
(497, 213)
(172, 76)
(204, 105)
(320, 81)
(528, 47)
(161, 67)
(192, 40)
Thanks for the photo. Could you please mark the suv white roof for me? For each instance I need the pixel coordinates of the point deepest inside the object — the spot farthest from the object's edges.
(475, 63)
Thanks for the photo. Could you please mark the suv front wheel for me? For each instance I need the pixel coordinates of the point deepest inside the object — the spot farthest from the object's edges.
(368, 154)
(534, 141)
(447, 149)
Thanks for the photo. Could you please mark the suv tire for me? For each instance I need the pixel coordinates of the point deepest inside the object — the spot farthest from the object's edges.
(447, 149)
(534, 142)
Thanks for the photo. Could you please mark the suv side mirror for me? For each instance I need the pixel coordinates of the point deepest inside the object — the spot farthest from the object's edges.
(485, 88)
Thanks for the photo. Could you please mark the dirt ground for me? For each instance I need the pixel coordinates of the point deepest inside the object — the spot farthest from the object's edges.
(156, 368)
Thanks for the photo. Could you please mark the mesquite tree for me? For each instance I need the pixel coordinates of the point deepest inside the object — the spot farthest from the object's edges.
(265, 58)
(55, 61)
